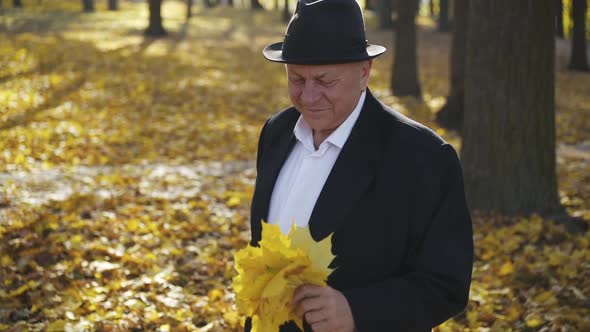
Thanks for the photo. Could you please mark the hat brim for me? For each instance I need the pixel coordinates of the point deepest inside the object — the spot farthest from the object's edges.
(274, 52)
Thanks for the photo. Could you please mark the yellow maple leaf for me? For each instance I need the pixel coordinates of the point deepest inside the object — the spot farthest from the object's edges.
(319, 252)
(534, 321)
(506, 269)
(268, 275)
(58, 325)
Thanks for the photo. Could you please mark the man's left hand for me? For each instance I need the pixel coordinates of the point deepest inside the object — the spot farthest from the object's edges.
(324, 308)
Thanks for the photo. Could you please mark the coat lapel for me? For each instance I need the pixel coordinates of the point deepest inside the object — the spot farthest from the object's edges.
(351, 174)
(275, 157)
(278, 154)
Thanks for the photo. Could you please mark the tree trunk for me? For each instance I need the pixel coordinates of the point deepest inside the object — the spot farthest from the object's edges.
(255, 4)
(189, 9)
(155, 28)
(508, 150)
(88, 5)
(579, 59)
(559, 19)
(384, 8)
(443, 16)
(369, 5)
(17, 4)
(451, 114)
(286, 13)
(113, 5)
(404, 79)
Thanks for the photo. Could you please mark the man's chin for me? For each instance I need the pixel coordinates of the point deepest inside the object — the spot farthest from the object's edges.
(317, 117)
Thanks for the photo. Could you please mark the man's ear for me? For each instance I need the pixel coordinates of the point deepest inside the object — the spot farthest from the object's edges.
(365, 73)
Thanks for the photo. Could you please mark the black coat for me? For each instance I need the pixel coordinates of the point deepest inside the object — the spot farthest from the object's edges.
(396, 205)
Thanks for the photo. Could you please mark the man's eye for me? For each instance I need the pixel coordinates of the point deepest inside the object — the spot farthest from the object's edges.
(327, 83)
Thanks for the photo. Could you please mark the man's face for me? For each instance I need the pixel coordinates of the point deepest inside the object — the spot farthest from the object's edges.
(326, 94)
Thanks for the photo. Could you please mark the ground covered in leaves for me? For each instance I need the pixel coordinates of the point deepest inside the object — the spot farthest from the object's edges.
(126, 170)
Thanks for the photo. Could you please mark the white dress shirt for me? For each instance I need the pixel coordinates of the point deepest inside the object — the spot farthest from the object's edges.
(305, 171)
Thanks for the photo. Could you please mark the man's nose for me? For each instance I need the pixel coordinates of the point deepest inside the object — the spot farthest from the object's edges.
(309, 93)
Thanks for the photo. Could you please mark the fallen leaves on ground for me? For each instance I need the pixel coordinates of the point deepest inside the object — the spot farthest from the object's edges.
(529, 274)
(137, 252)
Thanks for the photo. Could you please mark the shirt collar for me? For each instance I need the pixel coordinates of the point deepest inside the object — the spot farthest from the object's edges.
(304, 133)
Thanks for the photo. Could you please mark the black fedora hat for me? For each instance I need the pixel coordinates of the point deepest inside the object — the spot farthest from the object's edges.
(324, 32)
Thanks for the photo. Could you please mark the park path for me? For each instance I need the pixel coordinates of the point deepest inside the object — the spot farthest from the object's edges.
(173, 183)
(159, 180)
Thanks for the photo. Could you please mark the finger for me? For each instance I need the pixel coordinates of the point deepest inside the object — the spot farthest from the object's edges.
(312, 317)
(305, 291)
(309, 304)
(321, 326)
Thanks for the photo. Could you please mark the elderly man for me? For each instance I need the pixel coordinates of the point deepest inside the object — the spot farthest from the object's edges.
(389, 189)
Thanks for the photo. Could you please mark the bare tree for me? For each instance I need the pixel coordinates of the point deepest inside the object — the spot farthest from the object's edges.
(404, 78)
(579, 58)
(443, 16)
(508, 151)
(384, 11)
(155, 27)
(450, 115)
(189, 9)
(559, 18)
(286, 13)
(88, 5)
(255, 4)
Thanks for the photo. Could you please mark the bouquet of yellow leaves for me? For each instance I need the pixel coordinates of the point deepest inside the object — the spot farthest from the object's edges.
(268, 275)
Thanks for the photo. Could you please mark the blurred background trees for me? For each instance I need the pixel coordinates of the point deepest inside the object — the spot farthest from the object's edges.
(559, 18)
(255, 4)
(88, 5)
(384, 10)
(579, 57)
(404, 78)
(451, 114)
(443, 16)
(113, 4)
(155, 27)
